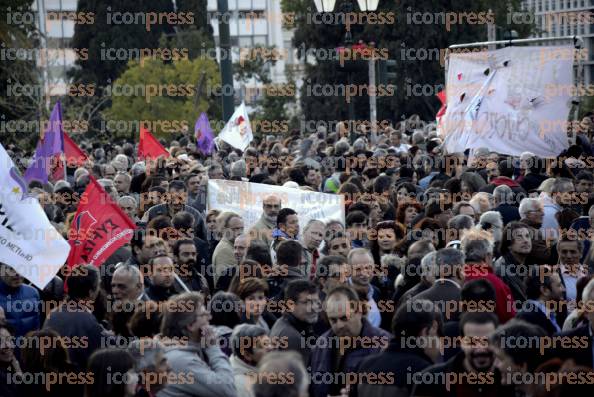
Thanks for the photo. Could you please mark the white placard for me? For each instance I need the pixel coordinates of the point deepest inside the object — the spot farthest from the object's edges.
(245, 199)
(510, 100)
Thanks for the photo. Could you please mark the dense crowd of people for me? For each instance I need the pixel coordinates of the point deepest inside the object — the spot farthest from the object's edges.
(452, 274)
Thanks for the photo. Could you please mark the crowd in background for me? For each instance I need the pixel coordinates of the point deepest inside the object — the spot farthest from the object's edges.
(452, 274)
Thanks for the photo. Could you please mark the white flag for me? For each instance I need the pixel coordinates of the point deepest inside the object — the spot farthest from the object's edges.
(238, 130)
(28, 241)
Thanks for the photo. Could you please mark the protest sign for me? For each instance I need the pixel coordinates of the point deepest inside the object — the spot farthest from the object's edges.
(509, 100)
(245, 199)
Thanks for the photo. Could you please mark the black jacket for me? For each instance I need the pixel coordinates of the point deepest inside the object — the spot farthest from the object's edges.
(531, 181)
(159, 294)
(510, 272)
(581, 340)
(488, 382)
(71, 320)
(398, 361)
(441, 292)
(296, 333)
(533, 315)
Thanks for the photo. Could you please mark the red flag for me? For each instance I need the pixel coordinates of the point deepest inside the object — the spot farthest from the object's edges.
(72, 155)
(149, 146)
(98, 229)
(444, 105)
(75, 157)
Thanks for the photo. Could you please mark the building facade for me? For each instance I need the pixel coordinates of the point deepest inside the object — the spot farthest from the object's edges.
(556, 18)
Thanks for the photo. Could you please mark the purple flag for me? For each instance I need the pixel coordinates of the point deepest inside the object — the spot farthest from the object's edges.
(204, 134)
(50, 145)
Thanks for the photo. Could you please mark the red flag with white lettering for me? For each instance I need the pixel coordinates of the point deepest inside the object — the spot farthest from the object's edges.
(99, 228)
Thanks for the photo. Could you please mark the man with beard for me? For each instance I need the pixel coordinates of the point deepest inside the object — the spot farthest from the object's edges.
(186, 254)
(313, 235)
(296, 324)
(162, 279)
(531, 213)
(262, 230)
(470, 372)
(545, 291)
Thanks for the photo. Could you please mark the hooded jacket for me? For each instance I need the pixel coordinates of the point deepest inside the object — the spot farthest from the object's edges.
(207, 371)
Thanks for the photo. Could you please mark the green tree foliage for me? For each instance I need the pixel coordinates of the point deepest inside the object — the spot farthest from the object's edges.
(181, 95)
(418, 49)
(22, 100)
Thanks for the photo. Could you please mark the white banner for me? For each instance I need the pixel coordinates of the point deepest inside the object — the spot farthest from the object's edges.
(245, 199)
(510, 100)
(28, 241)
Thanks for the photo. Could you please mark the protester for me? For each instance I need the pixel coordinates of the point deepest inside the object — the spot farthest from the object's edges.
(191, 349)
(250, 343)
(113, 374)
(15, 294)
(74, 318)
(347, 320)
(295, 327)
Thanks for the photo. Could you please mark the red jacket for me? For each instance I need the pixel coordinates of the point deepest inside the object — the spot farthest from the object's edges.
(504, 302)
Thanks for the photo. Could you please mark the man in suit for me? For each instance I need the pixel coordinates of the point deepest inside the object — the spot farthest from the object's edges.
(544, 290)
(582, 354)
(448, 281)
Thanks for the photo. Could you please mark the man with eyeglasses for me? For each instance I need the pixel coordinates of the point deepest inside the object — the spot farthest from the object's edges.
(262, 230)
(296, 325)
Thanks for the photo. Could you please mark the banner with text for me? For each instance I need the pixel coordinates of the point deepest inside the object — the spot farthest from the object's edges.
(510, 100)
(245, 199)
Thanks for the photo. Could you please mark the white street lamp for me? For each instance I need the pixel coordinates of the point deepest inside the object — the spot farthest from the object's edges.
(325, 5)
(368, 5)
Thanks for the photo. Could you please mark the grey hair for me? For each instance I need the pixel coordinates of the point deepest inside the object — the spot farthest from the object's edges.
(359, 251)
(80, 171)
(128, 198)
(560, 185)
(527, 204)
(492, 217)
(418, 137)
(145, 351)
(476, 250)
(239, 169)
(61, 184)
(130, 269)
(244, 332)
(503, 194)
(428, 264)
(588, 290)
(449, 257)
(311, 222)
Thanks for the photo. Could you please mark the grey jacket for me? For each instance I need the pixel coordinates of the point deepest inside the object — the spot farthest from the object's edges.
(214, 379)
(244, 377)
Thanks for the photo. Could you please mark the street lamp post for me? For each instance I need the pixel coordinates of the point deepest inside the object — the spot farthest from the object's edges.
(226, 63)
(348, 7)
